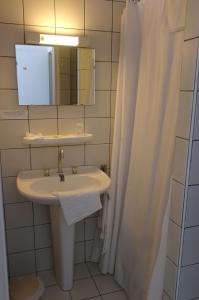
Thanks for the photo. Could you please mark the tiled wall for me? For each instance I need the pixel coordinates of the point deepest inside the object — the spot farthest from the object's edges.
(28, 226)
(182, 267)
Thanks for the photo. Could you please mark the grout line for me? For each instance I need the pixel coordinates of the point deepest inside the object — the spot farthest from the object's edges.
(28, 226)
(31, 250)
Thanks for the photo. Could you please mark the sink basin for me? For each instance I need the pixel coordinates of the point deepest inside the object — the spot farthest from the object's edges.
(42, 189)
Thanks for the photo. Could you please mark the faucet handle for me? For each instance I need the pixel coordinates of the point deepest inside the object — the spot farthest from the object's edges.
(74, 170)
(46, 172)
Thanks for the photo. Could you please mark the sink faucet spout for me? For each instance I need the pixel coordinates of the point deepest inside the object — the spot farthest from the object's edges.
(60, 161)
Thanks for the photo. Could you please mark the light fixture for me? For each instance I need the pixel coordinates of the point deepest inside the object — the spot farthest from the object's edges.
(66, 40)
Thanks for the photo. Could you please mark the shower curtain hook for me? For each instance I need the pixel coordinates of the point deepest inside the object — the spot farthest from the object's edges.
(135, 1)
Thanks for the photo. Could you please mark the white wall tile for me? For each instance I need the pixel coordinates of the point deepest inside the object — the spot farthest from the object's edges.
(42, 236)
(114, 71)
(180, 160)
(173, 244)
(112, 122)
(100, 128)
(79, 253)
(18, 215)
(113, 103)
(89, 247)
(194, 167)
(170, 278)
(42, 112)
(190, 253)
(69, 126)
(73, 32)
(103, 76)
(192, 209)
(97, 155)
(8, 79)
(115, 46)
(192, 23)
(90, 228)
(79, 231)
(41, 214)
(21, 239)
(117, 12)
(196, 121)
(101, 41)
(45, 126)
(98, 15)
(11, 11)
(9, 100)
(30, 29)
(43, 158)
(189, 65)
(12, 133)
(71, 111)
(101, 107)
(73, 156)
(10, 35)
(44, 260)
(184, 115)
(70, 14)
(189, 288)
(177, 201)
(14, 160)
(14, 114)
(39, 12)
(21, 263)
(10, 192)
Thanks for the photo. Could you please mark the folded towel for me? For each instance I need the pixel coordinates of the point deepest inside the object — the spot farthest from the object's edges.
(79, 206)
(176, 14)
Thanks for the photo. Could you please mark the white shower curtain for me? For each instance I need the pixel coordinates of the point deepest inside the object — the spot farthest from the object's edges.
(145, 121)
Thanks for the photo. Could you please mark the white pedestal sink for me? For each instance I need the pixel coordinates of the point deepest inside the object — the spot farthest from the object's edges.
(42, 189)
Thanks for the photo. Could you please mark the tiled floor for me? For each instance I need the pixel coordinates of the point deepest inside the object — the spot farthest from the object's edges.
(88, 284)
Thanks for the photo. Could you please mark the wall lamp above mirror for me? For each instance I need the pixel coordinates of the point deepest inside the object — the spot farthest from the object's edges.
(55, 75)
(62, 40)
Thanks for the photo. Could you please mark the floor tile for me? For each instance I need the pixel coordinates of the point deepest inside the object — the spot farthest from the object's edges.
(115, 296)
(106, 284)
(84, 288)
(93, 268)
(48, 277)
(81, 271)
(54, 292)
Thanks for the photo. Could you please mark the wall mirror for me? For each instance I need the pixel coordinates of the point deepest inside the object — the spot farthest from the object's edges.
(55, 75)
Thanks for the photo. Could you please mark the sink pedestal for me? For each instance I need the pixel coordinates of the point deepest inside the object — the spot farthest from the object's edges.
(63, 247)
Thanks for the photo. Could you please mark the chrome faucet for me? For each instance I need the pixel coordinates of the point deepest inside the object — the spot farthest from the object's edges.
(60, 164)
